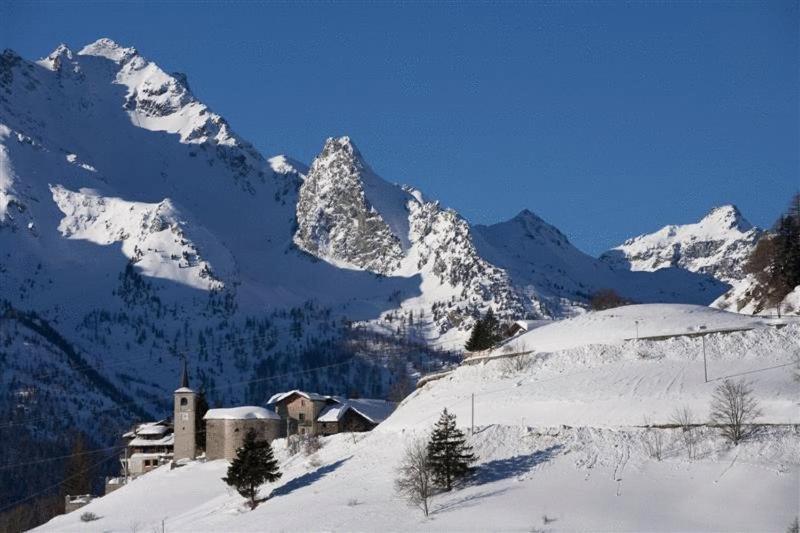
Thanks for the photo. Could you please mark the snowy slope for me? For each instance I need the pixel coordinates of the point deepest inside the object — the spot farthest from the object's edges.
(742, 298)
(629, 322)
(717, 245)
(561, 438)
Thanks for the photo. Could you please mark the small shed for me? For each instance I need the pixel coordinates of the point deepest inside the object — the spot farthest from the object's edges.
(226, 428)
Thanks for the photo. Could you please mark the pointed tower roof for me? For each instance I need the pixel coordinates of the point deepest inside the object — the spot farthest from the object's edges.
(185, 379)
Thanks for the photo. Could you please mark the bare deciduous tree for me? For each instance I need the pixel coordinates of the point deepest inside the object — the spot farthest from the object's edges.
(684, 418)
(653, 441)
(414, 479)
(607, 299)
(311, 444)
(293, 444)
(733, 408)
(515, 364)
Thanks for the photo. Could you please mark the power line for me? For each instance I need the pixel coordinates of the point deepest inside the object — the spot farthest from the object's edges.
(226, 386)
(51, 487)
(55, 458)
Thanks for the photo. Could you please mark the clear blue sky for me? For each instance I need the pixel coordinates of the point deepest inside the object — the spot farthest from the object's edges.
(606, 119)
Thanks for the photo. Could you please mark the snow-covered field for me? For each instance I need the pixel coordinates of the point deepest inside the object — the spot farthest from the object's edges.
(630, 322)
(560, 443)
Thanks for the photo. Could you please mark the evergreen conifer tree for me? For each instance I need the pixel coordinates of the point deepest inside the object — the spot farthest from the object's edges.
(78, 471)
(775, 261)
(477, 337)
(253, 466)
(485, 334)
(448, 452)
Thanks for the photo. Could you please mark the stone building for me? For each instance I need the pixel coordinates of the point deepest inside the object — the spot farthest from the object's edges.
(226, 428)
(185, 421)
(309, 413)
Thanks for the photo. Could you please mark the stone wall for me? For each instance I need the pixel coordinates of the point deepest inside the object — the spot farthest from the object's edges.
(73, 503)
(224, 437)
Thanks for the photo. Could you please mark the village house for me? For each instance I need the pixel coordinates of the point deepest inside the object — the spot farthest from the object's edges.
(148, 445)
(309, 413)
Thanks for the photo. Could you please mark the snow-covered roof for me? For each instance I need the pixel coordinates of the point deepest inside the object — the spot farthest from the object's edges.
(184, 389)
(308, 395)
(528, 325)
(152, 429)
(149, 428)
(376, 411)
(246, 412)
(168, 440)
(333, 413)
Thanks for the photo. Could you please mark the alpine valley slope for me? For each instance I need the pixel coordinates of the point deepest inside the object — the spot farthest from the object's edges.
(137, 228)
(562, 445)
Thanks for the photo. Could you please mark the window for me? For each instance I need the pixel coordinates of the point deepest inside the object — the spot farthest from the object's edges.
(302, 402)
(301, 416)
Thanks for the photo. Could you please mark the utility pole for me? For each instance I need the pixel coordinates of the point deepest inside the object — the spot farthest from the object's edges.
(472, 418)
(637, 329)
(705, 365)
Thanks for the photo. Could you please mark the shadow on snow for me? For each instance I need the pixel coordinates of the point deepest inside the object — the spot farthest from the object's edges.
(498, 470)
(513, 466)
(307, 478)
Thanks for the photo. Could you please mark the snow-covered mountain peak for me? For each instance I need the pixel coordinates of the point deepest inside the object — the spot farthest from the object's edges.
(535, 227)
(107, 48)
(348, 215)
(717, 245)
(343, 150)
(726, 217)
(57, 58)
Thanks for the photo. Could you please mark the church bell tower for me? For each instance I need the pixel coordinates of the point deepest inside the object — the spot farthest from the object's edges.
(185, 419)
